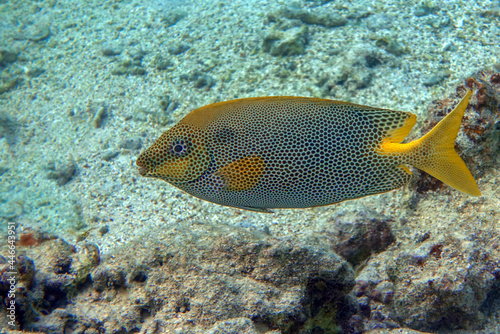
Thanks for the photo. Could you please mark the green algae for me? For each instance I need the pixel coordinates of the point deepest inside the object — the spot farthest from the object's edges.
(8, 84)
(7, 56)
(161, 63)
(129, 67)
(390, 45)
(171, 18)
(286, 43)
(323, 322)
(307, 17)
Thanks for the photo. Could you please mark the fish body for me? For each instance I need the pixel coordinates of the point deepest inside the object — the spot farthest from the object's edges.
(295, 152)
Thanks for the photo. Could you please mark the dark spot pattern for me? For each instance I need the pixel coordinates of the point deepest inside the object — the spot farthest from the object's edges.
(308, 152)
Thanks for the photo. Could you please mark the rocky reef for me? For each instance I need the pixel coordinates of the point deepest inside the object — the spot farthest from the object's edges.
(230, 284)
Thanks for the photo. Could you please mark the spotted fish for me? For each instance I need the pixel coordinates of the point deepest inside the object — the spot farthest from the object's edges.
(296, 152)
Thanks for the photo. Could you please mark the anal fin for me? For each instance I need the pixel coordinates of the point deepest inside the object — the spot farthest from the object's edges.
(262, 210)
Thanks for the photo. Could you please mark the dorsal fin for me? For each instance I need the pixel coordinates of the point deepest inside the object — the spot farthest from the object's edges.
(397, 135)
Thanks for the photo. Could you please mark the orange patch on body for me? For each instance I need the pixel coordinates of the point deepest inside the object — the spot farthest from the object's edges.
(243, 174)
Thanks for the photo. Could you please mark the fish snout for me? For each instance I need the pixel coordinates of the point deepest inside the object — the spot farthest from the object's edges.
(144, 165)
(143, 170)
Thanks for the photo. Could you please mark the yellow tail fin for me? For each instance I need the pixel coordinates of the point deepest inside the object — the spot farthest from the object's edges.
(435, 154)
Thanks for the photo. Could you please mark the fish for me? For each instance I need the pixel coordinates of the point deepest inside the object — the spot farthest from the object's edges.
(281, 152)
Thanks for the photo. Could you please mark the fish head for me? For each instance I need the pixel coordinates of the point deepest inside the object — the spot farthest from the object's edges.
(178, 156)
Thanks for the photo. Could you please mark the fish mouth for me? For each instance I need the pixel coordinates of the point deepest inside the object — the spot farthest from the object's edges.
(143, 171)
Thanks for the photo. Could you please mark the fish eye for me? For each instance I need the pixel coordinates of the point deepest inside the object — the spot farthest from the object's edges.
(179, 147)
